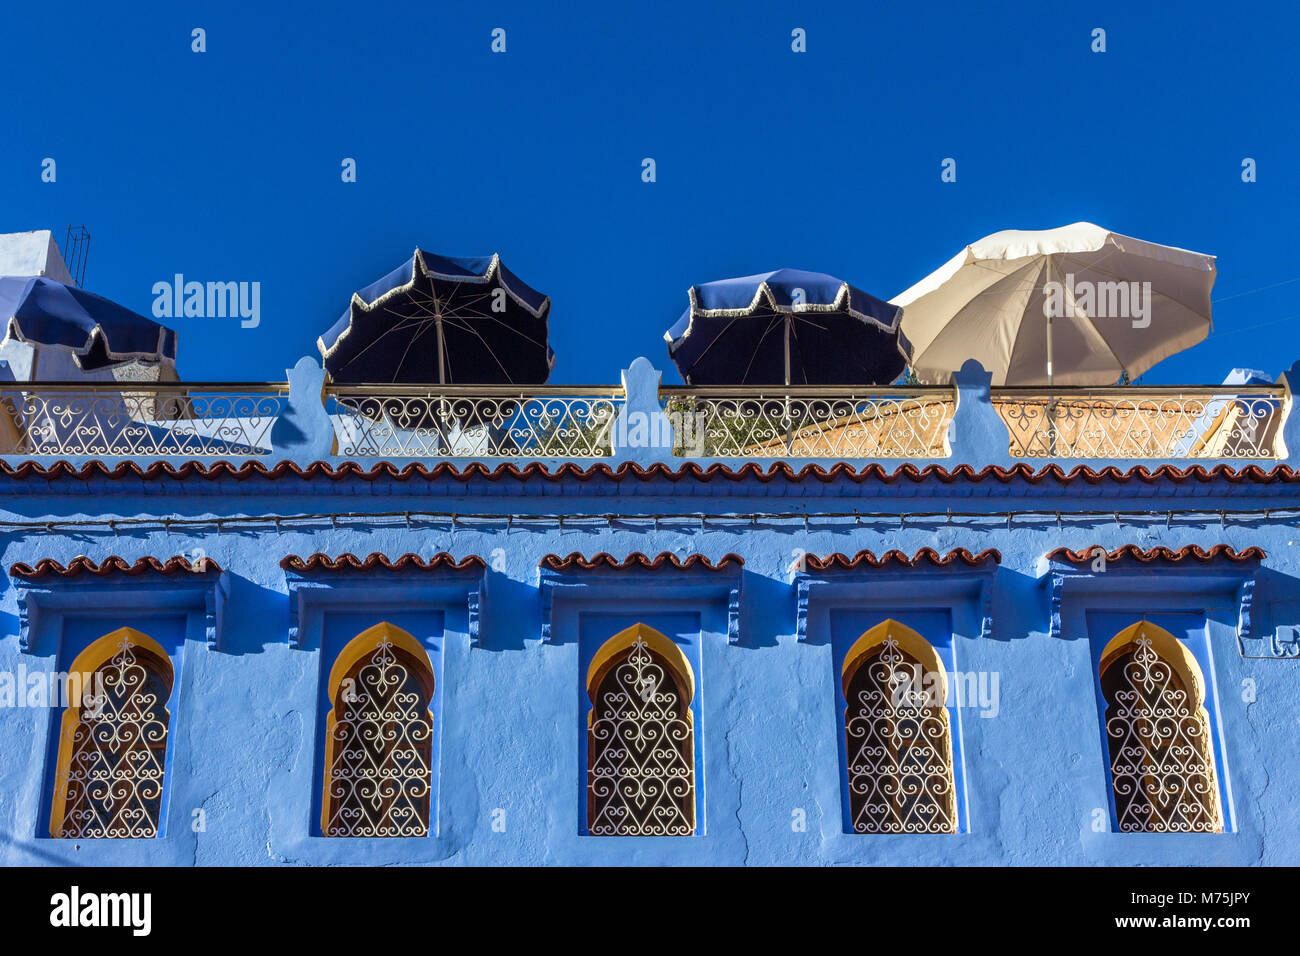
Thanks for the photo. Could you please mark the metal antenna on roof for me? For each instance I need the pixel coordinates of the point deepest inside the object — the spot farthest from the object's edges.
(76, 246)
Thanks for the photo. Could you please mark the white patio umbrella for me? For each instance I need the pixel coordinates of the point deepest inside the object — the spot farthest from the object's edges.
(1078, 305)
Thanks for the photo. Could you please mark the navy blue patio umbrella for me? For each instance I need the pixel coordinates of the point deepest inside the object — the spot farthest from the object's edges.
(446, 320)
(96, 331)
(787, 327)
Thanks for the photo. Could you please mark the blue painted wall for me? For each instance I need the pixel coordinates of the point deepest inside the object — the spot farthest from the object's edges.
(246, 724)
(248, 714)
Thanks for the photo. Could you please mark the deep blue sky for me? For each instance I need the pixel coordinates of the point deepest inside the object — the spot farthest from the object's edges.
(225, 165)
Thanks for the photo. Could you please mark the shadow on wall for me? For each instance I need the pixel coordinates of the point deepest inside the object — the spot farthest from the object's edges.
(760, 591)
(510, 613)
(1021, 605)
(258, 618)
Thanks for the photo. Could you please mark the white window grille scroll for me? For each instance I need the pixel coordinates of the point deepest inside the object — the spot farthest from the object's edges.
(158, 420)
(1161, 759)
(111, 783)
(1144, 422)
(641, 750)
(374, 421)
(379, 755)
(810, 422)
(898, 747)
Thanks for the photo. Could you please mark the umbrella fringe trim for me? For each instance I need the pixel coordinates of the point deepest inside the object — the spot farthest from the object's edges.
(840, 304)
(14, 332)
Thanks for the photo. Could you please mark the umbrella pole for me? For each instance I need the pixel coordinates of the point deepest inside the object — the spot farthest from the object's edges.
(444, 412)
(1051, 397)
(441, 372)
(789, 425)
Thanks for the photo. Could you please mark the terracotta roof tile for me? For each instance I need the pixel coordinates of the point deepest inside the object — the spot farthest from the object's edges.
(48, 567)
(1160, 553)
(862, 559)
(350, 562)
(636, 559)
(689, 471)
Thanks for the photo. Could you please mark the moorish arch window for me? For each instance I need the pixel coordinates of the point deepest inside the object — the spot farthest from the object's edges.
(1158, 732)
(379, 738)
(112, 754)
(898, 744)
(640, 737)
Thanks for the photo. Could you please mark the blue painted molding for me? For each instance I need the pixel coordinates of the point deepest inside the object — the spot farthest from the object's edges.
(1282, 644)
(1245, 604)
(643, 588)
(1281, 638)
(380, 590)
(26, 612)
(1170, 587)
(206, 593)
(922, 586)
(303, 432)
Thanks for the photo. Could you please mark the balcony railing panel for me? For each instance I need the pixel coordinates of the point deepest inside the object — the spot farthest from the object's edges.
(810, 422)
(141, 421)
(148, 421)
(391, 421)
(1216, 422)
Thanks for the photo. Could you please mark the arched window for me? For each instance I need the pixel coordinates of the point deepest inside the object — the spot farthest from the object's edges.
(640, 737)
(896, 734)
(379, 738)
(113, 740)
(1161, 758)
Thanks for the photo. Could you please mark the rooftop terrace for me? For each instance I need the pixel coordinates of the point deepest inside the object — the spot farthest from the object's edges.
(306, 419)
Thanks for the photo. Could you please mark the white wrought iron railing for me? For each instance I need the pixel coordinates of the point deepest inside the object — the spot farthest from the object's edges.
(473, 421)
(1202, 422)
(810, 421)
(142, 420)
(181, 421)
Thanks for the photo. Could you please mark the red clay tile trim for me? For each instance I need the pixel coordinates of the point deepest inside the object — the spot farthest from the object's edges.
(48, 567)
(350, 562)
(839, 561)
(636, 559)
(1159, 553)
(571, 471)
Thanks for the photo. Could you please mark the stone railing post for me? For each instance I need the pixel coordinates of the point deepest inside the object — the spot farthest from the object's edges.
(977, 435)
(1289, 434)
(303, 433)
(642, 433)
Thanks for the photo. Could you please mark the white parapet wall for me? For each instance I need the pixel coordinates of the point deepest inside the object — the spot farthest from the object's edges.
(33, 253)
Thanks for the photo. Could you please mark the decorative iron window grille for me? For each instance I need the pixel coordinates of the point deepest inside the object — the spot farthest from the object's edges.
(640, 746)
(379, 747)
(898, 746)
(113, 747)
(1161, 763)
